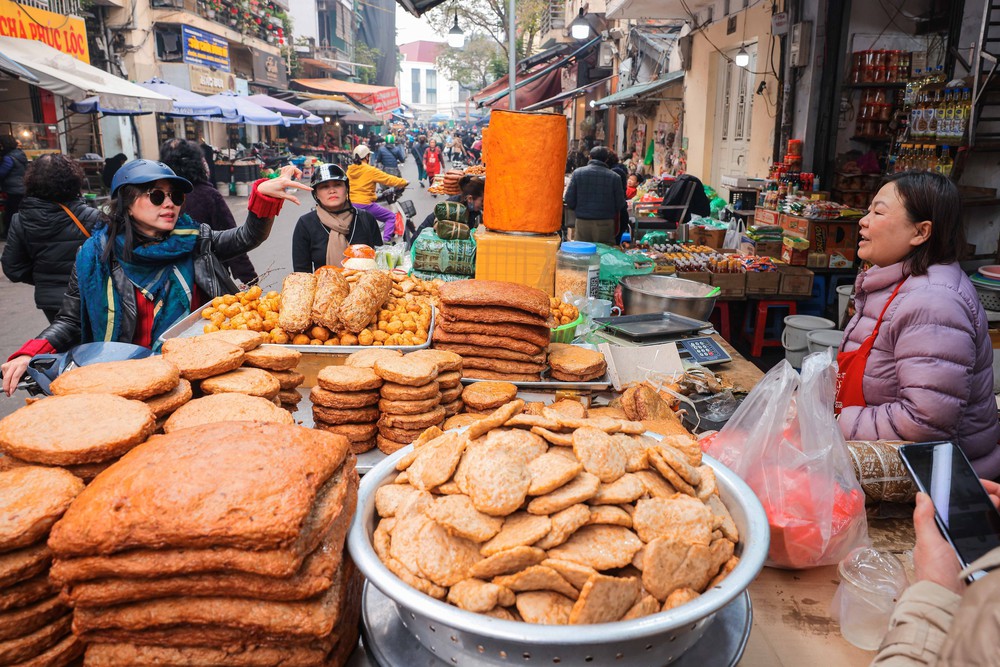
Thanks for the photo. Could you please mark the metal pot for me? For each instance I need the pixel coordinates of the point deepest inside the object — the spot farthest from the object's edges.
(650, 294)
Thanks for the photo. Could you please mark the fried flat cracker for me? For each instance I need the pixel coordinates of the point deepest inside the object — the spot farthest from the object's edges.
(519, 529)
(656, 486)
(389, 497)
(551, 471)
(600, 547)
(460, 421)
(671, 564)
(728, 567)
(580, 489)
(506, 562)
(537, 578)
(574, 573)
(599, 454)
(605, 599)
(437, 460)
(460, 517)
(496, 482)
(530, 420)
(679, 597)
(479, 596)
(570, 408)
(443, 558)
(560, 439)
(647, 606)
(635, 452)
(709, 486)
(668, 472)
(625, 489)
(681, 518)
(544, 607)
(521, 443)
(686, 445)
(497, 418)
(564, 524)
(726, 523)
(609, 515)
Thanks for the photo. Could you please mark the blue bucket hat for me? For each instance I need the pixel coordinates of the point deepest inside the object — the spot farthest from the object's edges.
(138, 172)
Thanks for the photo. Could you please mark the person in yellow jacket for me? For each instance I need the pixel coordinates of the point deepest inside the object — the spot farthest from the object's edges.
(363, 177)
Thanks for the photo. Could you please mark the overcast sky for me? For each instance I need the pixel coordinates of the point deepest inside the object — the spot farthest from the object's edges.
(410, 29)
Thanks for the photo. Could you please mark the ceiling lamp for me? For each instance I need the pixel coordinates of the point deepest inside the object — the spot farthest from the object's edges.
(456, 37)
(579, 28)
(742, 58)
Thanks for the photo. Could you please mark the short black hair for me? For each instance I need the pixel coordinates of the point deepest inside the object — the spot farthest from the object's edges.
(472, 186)
(929, 196)
(600, 153)
(54, 178)
(7, 143)
(186, 159)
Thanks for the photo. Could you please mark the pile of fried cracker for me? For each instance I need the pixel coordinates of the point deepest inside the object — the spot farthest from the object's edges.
(34, 622)
(500, 329)
(222, 544)
(557, 517)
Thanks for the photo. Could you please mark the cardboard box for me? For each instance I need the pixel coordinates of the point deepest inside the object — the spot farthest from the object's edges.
(794, 251)
(732, 285)
(763, 282)
(765, 216)
(823, 236)
(795, 281)
(769, 249)
(697, 276)
(526, 260)
(713, 238)
(841, 259)
(817, 260)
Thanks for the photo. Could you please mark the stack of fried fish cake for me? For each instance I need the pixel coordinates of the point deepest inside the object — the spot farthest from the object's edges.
(410, 398)
(219, 544)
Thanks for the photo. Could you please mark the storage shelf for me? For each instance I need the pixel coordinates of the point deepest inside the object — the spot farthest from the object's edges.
(896, 84)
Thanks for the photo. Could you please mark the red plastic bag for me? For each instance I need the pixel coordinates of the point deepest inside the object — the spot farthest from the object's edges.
(785, 443)
(399, 224)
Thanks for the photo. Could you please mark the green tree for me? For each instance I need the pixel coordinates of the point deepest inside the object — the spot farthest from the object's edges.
(489, 18)
(366, 55)
(473, 65)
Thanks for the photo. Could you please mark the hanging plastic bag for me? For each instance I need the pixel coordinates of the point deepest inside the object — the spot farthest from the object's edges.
(785, 443)
(734, 234)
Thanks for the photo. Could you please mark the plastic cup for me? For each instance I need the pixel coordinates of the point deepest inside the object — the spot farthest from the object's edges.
(871, 582)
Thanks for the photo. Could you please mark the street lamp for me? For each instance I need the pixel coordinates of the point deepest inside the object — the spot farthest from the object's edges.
(456, 38)
(742, 58)
(579, 28)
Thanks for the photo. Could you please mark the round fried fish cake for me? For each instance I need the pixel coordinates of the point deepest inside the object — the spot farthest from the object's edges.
(388, 446)
(444, 360)
(226, 407)
(353, 432)
(249, 381)
(405, 370)
(200, 359)
(273, 358)
(248, 340)
(488, 395)
(288, 380)
(367, 358)
(343, 399)
(401, 392)
(348, 416)
(137, 379)
(163, 404)
(80, 428)
(348, 378)
(409, 407)
(31, 500)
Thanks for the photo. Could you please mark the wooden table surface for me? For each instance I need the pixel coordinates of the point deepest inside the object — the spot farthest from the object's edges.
(792, 623)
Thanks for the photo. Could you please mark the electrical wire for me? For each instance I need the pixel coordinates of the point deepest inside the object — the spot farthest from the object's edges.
(725, 56)
(892, 20)
(24, 9)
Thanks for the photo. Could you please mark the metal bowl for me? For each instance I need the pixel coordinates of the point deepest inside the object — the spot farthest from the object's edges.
(651, 294)
(455, 635)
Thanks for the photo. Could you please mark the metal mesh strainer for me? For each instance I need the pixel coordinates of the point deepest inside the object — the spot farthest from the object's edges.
(456, 635)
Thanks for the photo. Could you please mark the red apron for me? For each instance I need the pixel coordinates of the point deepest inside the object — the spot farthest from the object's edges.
(851, 366)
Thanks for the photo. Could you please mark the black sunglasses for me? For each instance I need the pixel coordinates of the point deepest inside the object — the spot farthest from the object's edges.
(157, 197)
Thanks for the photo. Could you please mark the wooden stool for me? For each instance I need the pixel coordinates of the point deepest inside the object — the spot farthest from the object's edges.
(757, 338)
(721, 313)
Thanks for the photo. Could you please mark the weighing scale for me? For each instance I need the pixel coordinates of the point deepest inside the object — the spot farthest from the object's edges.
(637, 330)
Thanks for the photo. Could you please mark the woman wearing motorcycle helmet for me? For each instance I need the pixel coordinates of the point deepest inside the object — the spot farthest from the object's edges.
(149, 265)
(363, 178)
(322, 235)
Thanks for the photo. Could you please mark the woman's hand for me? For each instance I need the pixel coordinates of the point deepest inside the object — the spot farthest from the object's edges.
(933, 558)
(276, 187)
(13, 371)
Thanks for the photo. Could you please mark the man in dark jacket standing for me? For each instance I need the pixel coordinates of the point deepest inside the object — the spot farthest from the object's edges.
(13, 164)
(595, 195)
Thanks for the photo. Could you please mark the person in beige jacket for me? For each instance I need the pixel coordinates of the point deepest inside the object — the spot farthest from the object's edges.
(940, 620)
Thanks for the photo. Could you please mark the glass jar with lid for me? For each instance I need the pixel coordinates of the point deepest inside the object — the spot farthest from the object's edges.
(578, 269)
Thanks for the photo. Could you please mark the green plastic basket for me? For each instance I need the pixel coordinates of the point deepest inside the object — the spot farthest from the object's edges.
(566, 333)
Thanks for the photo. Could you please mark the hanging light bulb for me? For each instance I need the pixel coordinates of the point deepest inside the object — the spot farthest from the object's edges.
(579, 28)
(742, 58)
(456, 37)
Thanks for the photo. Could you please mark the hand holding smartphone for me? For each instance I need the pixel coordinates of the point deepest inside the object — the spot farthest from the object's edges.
(965, 513)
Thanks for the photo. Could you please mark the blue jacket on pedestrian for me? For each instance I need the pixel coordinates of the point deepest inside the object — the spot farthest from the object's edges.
(595, 192)
(388, 157)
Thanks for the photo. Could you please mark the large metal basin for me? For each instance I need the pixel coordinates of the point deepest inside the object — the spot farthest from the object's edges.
(649, 295)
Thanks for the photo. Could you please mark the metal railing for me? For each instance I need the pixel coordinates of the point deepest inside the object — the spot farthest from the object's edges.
(64, 7)
(554, 18)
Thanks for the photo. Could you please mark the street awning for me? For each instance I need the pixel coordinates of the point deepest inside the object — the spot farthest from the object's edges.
(241, 110)
(325, 107)
(567, 95)
(10, 67)
(632, 93)
(293, 115)
(186, 103)
(361, 117)
(381, 99)
(418, 7)
(64, 75)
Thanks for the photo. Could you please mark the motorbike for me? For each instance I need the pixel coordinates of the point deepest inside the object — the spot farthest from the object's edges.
(44, 368)
(404, 209)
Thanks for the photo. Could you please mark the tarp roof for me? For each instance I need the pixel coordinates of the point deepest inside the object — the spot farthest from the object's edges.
(418, 7)
(64, 75)
(381, 99)
(630, 94)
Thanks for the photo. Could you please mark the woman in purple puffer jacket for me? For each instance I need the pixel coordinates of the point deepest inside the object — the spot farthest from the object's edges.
(916, 361)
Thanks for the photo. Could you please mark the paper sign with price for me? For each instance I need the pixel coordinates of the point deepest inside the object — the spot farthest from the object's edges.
(64, 33)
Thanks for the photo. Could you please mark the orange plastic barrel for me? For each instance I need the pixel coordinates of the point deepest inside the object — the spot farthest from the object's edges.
(527, 162)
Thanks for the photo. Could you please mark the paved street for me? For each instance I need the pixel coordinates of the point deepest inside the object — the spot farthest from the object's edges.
(273, 258)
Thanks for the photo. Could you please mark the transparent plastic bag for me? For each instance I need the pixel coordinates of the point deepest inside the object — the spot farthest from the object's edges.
(784, 441)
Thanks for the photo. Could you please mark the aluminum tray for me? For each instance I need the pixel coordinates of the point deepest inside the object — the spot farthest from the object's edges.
(388, 643)
(600, 384)
(193, 324)
(459, 636)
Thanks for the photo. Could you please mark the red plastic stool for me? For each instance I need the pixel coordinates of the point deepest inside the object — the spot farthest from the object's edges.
(720, 318)
(758, 341)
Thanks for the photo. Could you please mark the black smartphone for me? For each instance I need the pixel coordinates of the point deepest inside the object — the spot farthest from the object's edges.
(964, 512)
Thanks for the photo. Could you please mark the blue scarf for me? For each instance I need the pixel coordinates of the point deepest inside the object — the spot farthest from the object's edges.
(163, 272)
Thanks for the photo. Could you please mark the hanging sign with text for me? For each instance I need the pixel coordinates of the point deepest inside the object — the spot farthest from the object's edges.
(204, 48)
(63, 33)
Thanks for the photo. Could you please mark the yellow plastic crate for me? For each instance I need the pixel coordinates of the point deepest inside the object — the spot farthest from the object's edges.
(514, 258)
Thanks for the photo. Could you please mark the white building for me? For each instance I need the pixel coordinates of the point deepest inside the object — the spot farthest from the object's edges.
(423, 89)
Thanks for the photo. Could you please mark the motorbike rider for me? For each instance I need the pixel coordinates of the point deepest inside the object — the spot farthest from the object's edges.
(322, 235)
(363, 178)
(389, 156)
(148, 265)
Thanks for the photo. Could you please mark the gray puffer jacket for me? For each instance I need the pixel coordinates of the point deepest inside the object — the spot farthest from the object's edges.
(930, 373)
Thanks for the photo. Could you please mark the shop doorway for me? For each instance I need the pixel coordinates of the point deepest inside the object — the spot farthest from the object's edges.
(734, 109)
